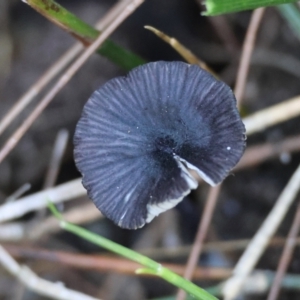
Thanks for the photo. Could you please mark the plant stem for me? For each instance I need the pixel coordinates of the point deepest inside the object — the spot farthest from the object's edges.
(218, 7)
(85, 33)
(152, 267)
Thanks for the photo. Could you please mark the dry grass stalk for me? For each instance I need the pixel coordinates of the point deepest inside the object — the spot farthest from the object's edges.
(273, 115)
(255, 155)
(56, 158)
(60, 193)
(247, 51)
(286, 256)
(17, 231)
(105, 263)
(188, 55)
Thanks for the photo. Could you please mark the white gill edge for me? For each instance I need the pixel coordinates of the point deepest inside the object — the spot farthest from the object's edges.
(200, 173)
(155, 209)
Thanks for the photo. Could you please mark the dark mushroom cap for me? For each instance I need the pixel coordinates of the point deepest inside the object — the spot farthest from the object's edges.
(138, 135)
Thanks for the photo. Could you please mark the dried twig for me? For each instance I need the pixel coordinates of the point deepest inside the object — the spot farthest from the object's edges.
(200, 236)
(259, 242)
(14, 231)
(105, 263)
(286, 256)
(225, 34)
(255, 155)
(17, 231)
(222, 246)
(60, 193)
(275, 114)
(35, 89)
(258, 282)
(188, 55)
(77, 215)
(275, 59)
(18, 193)
(37, 284)
(56, 158)
(247, 53)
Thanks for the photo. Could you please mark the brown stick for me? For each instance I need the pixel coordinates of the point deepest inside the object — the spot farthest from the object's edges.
(255, 155)
(286, 256)
(247, 53)
(105, 263)
(272, 115)
(201, 235)
(37, 87)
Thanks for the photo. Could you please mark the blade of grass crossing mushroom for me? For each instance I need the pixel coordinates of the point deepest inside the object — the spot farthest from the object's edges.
(218, 7)
(189, 56)
(84, 32)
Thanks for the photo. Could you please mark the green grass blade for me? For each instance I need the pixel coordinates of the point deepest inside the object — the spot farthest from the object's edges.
(109, 245)
(218, 7)
(152, 267)
(84, 32)
(291, 14)
(120, 56)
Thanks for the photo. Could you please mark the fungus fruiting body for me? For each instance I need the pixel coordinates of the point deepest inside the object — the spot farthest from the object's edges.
(138, 136)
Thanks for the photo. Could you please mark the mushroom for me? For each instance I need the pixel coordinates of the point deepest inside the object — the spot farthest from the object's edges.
(138, 136)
